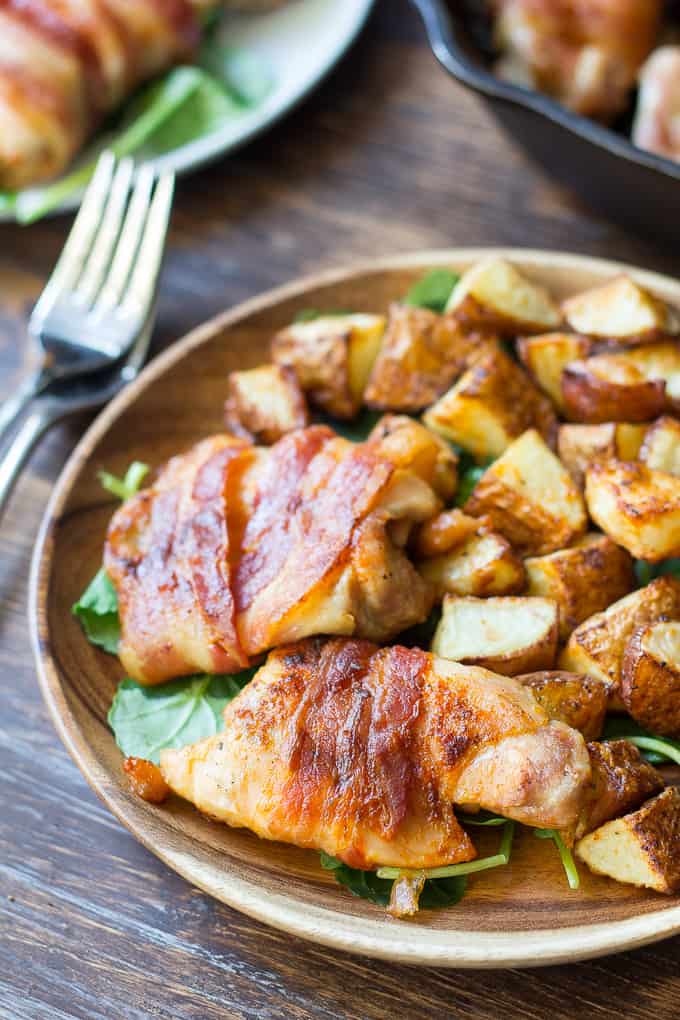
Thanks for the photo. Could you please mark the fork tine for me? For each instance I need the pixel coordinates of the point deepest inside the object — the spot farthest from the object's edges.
(79, 241)
(99, 259)
(142, 287)
(128, 242)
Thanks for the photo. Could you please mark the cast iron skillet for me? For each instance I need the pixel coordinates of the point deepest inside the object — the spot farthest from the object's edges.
(613, 175)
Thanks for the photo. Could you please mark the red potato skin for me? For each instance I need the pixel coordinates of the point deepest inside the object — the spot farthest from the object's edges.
(650, 689)
(594, 401)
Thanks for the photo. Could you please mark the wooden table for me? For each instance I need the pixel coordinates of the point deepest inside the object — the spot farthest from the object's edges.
(388, 156)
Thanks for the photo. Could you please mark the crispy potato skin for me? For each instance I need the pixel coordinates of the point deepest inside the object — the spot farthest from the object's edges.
(408, 444)
(597, 646)
(492, 404)
(638, 508)
(421, 355)
(486, 295)
(641, 848)
(621, 312)
(578, 700)
(592, 398)
(484, 564)
(661, 446)
(546, 356)
(650, 685)
(579, 445)
(621, 781)
(583, 579)
(264, 403)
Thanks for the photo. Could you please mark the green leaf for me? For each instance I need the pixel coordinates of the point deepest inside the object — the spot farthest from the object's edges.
(97, 610)
(145, 720)
(467, 479)
(656, 750)
(205, 109)
(466, 867)
(310, 314)
(485, 818)
(245, 75)
(7, 201)
(421, 635)
(357, 430)
(367, 885)
(433, 290)
(646, 571)
(127, 486)
(565, 853)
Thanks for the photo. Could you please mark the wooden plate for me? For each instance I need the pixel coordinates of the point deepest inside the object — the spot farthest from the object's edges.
(520, 915)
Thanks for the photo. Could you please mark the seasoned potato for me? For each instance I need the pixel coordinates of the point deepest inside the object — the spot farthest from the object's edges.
(641, 848)
(633, 385)
(597, 646)
(421, 355)
(583, 579)
(638, 508)
(621, 311)
(506, 635)
(332, 357)
(490, 405)
(264, 403)
(575, 699)
(650, 677)
(579, 445)
(547, 355)
(484, 564)
(408, 444)
(661, 447)
(621, 781)
(444, 532)
(530, 498)
(494, 295)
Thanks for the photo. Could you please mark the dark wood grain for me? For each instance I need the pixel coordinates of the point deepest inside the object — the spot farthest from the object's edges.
(388, 156)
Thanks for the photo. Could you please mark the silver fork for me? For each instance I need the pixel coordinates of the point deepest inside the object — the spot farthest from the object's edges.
(99, 296)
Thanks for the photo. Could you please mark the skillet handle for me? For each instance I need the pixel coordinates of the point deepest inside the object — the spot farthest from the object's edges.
(14, 458)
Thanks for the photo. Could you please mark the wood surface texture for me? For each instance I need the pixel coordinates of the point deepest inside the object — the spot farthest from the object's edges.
(387, 157)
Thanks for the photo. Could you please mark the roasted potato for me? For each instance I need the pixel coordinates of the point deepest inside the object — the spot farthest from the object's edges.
(446, 531)
(484, 564)
(494, 295)
(621, 311)
(490, 405)
(547, 355)
(506, 635)
(661, 447)
(575, 699)
(332, 357)
(633, 385)
(597, 646)
(579, 445)
(420, 356)
(641, 848)
(638, 508)
(650, 677)
(583, 579)
(264, 403)
(621, 781)
(408, 444)
(530, 498)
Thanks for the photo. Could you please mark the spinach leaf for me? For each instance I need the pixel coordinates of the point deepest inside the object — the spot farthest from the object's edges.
(97, 610)
(310, 314)
(646, 571)
(656, 750)
(436, 893)
(421, 634)
(433, 290)
(127, 486)
(566, 856)
(245, 76)
(145, 720)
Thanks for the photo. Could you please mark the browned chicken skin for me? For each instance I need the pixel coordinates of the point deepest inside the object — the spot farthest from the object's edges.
(362, 752)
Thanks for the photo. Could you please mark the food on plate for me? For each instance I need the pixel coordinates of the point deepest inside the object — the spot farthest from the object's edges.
(661, 446)
(578, 700)
(642, 847)
(530, 498)
(650, 676)
(408, 444)
(494, 295)
(637, 507)
(580, 445)
(583, 579)
(634, 385)
(332, 357)
(621, 780)
(492, 403)
(621, 311)
(442, 533)
(484, 564)
(508, 635)
(545, 357)
(598, 645)
(658, 107)
(362, 752)
(264, 403)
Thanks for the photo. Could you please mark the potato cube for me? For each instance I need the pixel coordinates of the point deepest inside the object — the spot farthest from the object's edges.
(579, 445)
(633, 385)
(490, 405)
(506, 635)
(408, 444)
(484, 564)
(546, 356)
(493, 294)
(641, 848)
(661, 447)
(583, 579)
(444, 532)
(530, 498)
(264, 403)
(332, 357)
(621, 311)
(575, 699)
(638, 508)
(650, 677)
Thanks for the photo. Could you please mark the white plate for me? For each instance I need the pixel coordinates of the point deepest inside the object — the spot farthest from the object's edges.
(301, 43)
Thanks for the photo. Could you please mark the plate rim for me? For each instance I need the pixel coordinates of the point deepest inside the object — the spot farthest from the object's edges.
(464, 948)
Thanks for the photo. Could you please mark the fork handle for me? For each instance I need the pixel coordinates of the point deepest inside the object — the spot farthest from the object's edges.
(17, 453)
(12, 408)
